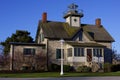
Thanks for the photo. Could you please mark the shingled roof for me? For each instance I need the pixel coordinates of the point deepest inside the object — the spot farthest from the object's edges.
(58, 30)
(97, 33)
(78, 44)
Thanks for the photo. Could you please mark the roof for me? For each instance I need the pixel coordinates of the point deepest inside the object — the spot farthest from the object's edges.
(97, 33)
(58, 30)
(28, 44)
(78, 44)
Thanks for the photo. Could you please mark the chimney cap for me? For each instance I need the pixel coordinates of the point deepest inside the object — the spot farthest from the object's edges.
(98, 22)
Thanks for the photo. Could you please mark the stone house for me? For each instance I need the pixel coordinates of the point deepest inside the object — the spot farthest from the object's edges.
(83, 44)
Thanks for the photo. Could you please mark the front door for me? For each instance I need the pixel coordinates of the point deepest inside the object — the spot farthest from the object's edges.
(89, 55)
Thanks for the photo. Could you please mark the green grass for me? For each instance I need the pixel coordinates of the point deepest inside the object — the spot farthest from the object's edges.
(56, 74)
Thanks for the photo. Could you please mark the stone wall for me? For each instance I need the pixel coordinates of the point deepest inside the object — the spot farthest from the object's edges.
(19, 61)
(107, 52)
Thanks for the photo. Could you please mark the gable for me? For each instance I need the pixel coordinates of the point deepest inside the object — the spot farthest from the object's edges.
(78, 36)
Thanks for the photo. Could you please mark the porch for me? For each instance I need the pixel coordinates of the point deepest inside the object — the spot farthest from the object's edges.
(85, 54)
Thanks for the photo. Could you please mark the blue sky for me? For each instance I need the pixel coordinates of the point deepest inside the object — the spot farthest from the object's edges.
(25, 14)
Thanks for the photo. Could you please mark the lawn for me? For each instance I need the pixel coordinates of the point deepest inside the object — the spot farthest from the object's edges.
(56, 74)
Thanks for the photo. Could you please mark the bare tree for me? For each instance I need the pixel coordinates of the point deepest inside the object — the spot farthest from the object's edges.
(41, 61)
(29, 62)
(4, 60)
(17, 60)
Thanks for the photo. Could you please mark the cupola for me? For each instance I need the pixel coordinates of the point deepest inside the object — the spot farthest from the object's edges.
(73, 15)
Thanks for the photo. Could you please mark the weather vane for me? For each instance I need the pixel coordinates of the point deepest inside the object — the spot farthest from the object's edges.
(73, 6)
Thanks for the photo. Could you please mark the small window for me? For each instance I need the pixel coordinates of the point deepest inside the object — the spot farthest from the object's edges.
(41, 37)
(29, 51)
(58, 53)
(69, 52)
(78, 51)
(75, 51)
(97, 52)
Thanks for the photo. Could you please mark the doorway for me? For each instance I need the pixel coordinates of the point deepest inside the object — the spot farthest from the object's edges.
(89, 55)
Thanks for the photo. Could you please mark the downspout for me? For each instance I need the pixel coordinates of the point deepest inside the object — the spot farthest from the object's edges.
(47, 46)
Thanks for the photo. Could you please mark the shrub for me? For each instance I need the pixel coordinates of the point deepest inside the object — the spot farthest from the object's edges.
(107, 67)
(66, 68)
(83, 69)
(55, 67)
(115, 68)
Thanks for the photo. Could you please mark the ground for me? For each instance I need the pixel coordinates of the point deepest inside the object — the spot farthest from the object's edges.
(65, 78)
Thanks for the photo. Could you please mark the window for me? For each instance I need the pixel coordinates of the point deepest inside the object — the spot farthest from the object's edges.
(75, 20)
(97, 52)
(69, 52)
(58, 53)
(78, 51)
(29, 51)
(41, 37)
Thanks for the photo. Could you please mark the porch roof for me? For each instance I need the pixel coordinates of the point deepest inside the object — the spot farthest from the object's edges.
(78, 44)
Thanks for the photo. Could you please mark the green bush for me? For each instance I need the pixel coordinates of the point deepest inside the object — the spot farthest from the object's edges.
(55, 67)
(107, 67)
(66, 68)
(115, 68)
(83, 69)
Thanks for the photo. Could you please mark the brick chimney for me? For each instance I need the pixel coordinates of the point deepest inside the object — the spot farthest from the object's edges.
(44, 17)
(98, 22)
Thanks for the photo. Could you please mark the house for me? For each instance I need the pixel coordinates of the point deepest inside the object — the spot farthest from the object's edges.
(82, 44)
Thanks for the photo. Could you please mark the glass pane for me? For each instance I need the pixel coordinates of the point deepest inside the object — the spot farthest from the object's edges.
(82, 51)
(33, 51)
(79, 51)
(28, 51)
(75, 51)
(69, 52)
(58, 53)
(94, 52)
(100, 52)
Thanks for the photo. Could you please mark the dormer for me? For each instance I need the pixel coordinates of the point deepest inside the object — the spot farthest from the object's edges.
(73, 16)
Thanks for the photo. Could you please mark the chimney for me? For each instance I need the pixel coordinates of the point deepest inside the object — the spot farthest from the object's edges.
(98, 22)
(44, 17)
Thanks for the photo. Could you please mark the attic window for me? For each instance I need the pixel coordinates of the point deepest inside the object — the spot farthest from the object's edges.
(41, 37)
